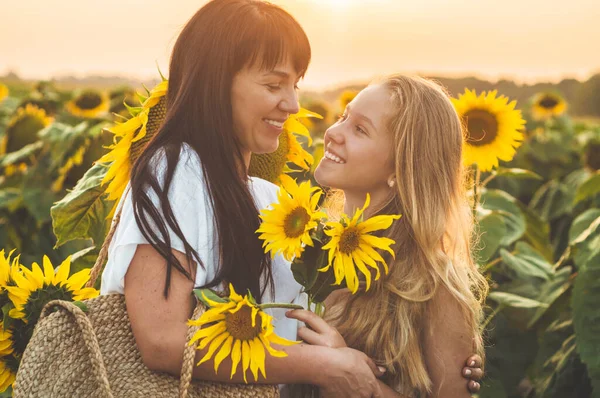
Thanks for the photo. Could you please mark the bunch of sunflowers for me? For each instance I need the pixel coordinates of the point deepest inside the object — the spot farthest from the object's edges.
(296, 223)
(24, 291)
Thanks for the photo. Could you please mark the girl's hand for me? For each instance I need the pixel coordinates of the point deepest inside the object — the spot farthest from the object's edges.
(350, 374)
(473, 373)
(319, 332)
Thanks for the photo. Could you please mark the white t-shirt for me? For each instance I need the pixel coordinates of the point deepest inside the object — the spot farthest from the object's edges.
(193, 212)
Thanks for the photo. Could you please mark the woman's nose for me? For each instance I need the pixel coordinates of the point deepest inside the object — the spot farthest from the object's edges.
(289, 103)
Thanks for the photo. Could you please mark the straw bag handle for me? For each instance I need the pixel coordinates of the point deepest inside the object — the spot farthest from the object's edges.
(189, 352)
(89, 339)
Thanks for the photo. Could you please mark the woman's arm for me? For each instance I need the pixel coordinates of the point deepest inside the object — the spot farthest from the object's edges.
(447, 342)
(159, 327)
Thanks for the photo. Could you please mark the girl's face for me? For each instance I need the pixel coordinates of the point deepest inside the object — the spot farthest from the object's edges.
(358, 148)
(261, 102)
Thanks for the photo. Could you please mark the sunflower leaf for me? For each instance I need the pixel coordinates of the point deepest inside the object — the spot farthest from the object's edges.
(210, 294)
(82, 306)
(589, 188)
(82, 213)
(517, 173)
(515, 301)
(7, 320)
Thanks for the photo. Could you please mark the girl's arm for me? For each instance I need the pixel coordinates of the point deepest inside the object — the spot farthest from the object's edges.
(159, 327)
(447, 342)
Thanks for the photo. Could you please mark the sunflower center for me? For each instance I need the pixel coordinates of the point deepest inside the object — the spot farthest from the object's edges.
(156, 117)
(21, 334)
(88, 101)
(38, 299)
(548, 102)
(24, 131)
(482, 127)
(349, 241)
(271, 165)
(295, 222)
(239, 324)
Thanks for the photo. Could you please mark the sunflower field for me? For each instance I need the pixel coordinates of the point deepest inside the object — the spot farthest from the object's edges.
(65, 159)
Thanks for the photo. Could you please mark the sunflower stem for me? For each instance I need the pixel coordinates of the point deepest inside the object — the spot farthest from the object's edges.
(488, 180)
(281, 305)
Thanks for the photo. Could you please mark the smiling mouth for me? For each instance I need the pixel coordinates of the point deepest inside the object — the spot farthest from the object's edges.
(333, 158)
(274, 123)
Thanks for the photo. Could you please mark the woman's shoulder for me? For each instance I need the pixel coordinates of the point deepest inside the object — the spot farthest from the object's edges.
(265, 192)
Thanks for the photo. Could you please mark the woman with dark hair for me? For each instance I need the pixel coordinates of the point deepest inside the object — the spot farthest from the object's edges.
(190, 214)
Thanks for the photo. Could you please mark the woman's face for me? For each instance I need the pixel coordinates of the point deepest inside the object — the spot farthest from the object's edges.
(358, 148)
(261, 101)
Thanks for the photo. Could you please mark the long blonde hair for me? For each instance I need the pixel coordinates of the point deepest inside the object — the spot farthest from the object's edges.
(433, 240)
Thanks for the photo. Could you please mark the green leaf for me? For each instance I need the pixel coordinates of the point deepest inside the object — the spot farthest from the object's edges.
(506, 206)
(553, 200)
(85, 258)
(551, 291)
(517, 173)
(211, 295)
(305, 267)
(20, 155)
(527, 263)
(83, 212)
(512, 300)
(11, 199)
(586, 317)
(589, 188)
(491, 231)
(38, 195)
(7, 320)
(537, 233)
(584, 225)
(82, 306)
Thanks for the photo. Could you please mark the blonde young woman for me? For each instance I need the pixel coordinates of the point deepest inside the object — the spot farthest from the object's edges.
(400, 141)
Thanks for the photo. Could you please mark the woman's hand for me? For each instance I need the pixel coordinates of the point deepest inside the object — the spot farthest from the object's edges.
(473, 373)
(319, 332)
(350, 374)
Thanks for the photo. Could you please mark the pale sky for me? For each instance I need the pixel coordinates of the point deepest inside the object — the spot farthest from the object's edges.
(352, 40)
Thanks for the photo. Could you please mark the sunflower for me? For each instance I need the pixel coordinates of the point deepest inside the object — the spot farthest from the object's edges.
(74, 160)
(89, 104)
(3, 92)
(286, 227)
(491, 125)
(7, 267)
(133, 136)
(8, 371)
(352, 247)
(34, 288)
(241, 329)
(272, 166)
(547, 105)
(346, 97)
(23, 128)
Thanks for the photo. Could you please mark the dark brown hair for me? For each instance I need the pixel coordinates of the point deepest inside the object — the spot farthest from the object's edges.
(223, 37)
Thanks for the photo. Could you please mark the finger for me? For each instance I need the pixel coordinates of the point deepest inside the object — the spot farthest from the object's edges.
(474, 374)
(474, 386)
(378, 371)
(315, 322)
(311, 337)
(474, 361)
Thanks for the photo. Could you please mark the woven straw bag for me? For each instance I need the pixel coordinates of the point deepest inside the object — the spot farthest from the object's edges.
(73, 353)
